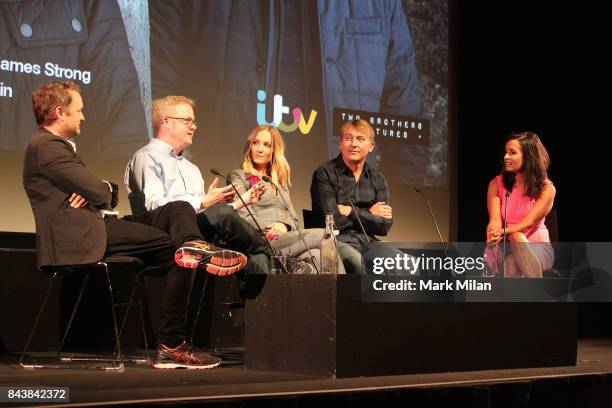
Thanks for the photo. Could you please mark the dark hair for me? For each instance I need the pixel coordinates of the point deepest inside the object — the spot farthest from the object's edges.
(48, 97)
(535, 164)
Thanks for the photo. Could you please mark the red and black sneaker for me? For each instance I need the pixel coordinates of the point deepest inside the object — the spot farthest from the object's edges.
(217, 261)
(186, 356)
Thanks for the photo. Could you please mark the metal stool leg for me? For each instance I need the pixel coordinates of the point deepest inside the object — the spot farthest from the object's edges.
(74, 310)
(136, 293)
(197, 317)
(129, 305)
(118, 353)
(141, 314)
(37, 320)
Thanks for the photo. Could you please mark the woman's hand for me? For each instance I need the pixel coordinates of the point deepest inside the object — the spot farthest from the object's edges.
(273, 231)
(251, 196)
(494, 232)
(494, 236)
(254, 193)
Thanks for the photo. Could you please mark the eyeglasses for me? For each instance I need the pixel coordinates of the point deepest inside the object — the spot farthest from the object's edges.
(185, 121)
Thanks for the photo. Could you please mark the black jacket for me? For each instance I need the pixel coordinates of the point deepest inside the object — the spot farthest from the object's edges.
(51, 173)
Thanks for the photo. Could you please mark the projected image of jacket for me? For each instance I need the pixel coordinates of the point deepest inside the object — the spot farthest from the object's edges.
(224, 52)
(43, 41)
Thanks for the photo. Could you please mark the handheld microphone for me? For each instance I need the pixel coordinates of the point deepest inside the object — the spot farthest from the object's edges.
(227, 180)
(433, 217)
(505, 227)
(295, 222)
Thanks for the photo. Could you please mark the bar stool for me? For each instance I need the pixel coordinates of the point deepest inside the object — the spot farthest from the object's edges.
(99, 362)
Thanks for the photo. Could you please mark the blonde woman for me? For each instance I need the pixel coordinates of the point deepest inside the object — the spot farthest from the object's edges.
(264, 155)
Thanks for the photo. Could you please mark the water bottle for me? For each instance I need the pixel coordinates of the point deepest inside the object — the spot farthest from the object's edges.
(329, 248)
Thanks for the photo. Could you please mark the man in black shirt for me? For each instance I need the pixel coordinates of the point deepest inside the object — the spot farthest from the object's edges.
(356, 194)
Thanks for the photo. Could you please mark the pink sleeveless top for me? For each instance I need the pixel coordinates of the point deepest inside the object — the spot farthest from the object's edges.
(519, 205)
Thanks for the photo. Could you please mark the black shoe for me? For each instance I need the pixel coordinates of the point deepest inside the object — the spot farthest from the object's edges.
(299, 266)
(217, 261)
(184, 356)
(293, 265)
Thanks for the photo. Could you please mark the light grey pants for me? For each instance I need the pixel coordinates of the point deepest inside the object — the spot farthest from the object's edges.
(290, 244)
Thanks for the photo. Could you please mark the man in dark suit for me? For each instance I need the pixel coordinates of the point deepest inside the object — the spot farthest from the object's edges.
(75, 223)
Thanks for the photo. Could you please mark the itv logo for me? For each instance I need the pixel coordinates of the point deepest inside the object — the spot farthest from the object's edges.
(299, 121)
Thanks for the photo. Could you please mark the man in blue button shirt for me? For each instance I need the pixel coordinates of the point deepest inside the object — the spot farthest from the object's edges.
(160, 173)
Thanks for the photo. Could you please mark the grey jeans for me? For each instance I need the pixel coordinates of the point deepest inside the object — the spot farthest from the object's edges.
(290, 244)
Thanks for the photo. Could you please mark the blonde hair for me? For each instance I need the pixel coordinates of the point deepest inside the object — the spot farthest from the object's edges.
(278, 168)
(360, 125)
(161, 106)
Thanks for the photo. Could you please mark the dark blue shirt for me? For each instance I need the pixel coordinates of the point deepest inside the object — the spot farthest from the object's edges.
(333, 183)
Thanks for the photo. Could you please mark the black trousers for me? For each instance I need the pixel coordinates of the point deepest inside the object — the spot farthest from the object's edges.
(222, 226)
(153, 236)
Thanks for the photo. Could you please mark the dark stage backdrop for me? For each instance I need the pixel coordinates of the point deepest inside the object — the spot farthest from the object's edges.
(245, 62)
(537, 67)
(543, 67)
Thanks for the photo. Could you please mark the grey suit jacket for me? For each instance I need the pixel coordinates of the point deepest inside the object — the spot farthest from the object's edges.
(270, 208)
(51, 173)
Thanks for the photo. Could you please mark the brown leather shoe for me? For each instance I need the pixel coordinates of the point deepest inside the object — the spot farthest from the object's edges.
(217, 261)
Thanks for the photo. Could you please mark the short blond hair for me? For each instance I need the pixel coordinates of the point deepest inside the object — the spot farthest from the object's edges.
(161, 106)
(360, 125)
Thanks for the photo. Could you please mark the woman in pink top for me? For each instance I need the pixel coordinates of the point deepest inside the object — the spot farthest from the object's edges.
(523, 192)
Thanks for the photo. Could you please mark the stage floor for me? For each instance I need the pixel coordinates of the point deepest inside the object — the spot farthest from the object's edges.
(231, 382)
